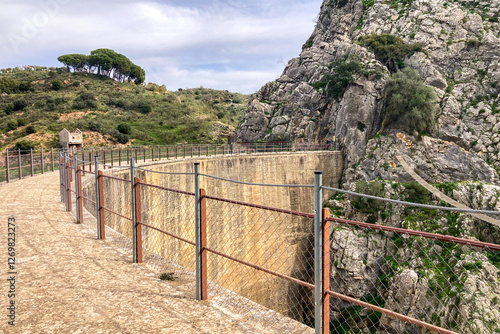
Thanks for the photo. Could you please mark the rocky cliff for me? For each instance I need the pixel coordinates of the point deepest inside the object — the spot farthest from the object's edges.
(457, 56)
(360, 53)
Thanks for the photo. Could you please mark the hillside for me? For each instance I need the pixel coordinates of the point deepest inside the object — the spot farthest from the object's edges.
(37, 102)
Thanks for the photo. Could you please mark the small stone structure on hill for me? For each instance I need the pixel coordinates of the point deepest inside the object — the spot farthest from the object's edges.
(70, 140)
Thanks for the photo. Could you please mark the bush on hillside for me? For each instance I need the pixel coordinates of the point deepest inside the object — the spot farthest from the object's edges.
(409, 103)
(25, 145)
(57, 85)
(124, 128)
(389, 49)
(336, 82)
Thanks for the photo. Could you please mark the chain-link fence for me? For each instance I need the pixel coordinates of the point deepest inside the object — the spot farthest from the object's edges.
(371, 278)
(23, 163)
(263, 254)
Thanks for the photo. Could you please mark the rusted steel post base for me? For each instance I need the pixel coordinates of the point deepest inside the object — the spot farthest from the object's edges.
(326, 271)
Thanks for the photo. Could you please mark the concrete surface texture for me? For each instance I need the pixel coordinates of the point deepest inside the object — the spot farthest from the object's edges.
(69, 282)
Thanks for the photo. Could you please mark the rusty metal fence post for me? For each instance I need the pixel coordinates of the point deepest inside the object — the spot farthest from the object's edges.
(97, 197)
(19, 164)
(133, 206)
(75, 166)
(52, 158)
(42, 165)
(31, 162)
(7, 173)
(318, 253)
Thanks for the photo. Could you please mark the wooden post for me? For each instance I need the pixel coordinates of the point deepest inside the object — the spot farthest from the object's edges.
(79, 195)
(203, 236)
(326, 271)
(101, 206)
(138, 219)
(68, 186)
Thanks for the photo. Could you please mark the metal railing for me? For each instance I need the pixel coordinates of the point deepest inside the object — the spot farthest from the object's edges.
(17, 164)
(330, 274)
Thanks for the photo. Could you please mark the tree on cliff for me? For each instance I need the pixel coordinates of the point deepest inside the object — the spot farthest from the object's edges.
(105, 62)
(409, 102)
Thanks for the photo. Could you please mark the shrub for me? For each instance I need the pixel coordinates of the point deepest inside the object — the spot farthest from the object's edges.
(124, 128)
(85, 100)
(389, 49)
(9, 108)
(25, 86)
(95, 126)
(57, 85)
(409, 102)
(30, 129)
(342, 76)
(8, 85)
(25, 145)
(12, 125)
(122, 138)
(20, 104)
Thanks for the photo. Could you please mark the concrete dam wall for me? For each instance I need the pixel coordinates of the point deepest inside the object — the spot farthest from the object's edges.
(276, 241)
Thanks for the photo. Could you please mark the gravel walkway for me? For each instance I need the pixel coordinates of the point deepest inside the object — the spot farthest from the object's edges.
(69, 282)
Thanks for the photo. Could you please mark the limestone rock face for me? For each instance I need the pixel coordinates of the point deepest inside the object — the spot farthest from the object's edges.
(459, 60)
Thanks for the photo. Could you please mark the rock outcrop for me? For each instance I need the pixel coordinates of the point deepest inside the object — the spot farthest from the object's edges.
(456, 287)
(459, 59)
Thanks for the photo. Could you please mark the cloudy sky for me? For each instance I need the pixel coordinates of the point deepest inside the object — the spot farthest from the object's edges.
(236, 45)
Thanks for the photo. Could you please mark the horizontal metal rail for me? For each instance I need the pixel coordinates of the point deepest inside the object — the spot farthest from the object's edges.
(159, 172)
(167, 189)
(259, 184)
(115, 178)
(88, 199)
(254, 266)
(391, 314)
(167, 233)
(116, 213)
(426, 206)
(441, 237)
(257, 206)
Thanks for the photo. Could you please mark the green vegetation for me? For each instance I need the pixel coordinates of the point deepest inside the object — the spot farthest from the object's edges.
(409, 102)
(97, 105)
(343, 74)
(168, 277)
(389, 49)
(105, 62)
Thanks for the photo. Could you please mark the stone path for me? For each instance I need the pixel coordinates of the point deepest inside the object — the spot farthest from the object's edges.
(442, 196)
(69, 282)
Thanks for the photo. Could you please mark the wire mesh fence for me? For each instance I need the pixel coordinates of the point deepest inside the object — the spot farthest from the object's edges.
(168, 232)
(263, 255)
(379, 279)
(23, 163)
(430, 278)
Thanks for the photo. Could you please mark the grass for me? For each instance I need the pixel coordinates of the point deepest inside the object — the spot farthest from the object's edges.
(34, 111)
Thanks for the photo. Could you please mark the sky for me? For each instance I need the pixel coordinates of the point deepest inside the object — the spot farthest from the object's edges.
(222, 44)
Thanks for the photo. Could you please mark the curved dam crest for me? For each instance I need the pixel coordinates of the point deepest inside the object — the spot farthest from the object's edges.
(278, 242)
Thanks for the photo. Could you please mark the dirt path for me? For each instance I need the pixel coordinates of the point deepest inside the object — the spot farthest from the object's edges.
(69, 282)
(442, 196)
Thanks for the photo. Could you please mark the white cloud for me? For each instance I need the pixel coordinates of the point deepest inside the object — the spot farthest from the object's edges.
(247, 36)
